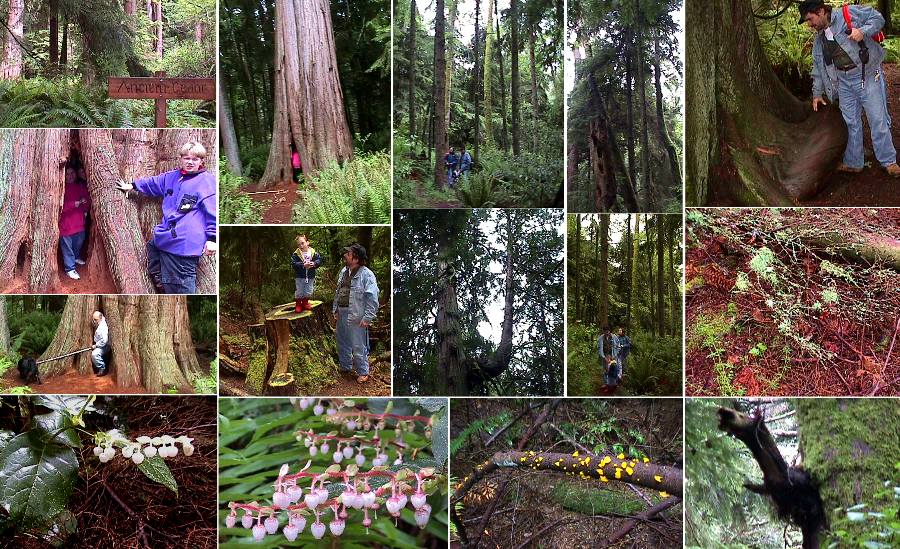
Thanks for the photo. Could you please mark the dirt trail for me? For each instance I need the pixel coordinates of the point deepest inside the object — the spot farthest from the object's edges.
(872, 187)
(278, 201)
(89, 283)
(72, 383)
(426, 202)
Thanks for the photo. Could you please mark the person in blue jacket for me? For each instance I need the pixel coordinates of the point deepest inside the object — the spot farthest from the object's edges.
(189, 216)
(624, 351)
(465, 163)
(355, 306)
(450, 162)
(608, 349)
(305, 261)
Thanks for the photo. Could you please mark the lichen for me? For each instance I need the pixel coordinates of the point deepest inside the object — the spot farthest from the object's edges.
(313, 362)
(256, 372)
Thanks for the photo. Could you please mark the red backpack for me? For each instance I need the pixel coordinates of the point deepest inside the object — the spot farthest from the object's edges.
(878, 38)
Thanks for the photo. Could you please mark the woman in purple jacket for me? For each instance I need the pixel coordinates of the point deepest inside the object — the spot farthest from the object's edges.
(188, 227)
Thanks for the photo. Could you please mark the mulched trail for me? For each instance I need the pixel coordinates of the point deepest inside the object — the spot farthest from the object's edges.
(89, 283)
(786, 338)
(71, 383)
(872, 187)
(427, 203)
(278, 201)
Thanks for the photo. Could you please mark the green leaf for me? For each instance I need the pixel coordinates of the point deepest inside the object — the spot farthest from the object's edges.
(156, 470)
(58, 426)
(36, 478)
(440, 431)
(73, 404)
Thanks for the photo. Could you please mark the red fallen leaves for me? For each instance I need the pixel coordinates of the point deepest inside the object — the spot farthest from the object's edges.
(746, 378)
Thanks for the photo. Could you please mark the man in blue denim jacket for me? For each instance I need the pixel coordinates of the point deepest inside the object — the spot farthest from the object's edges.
(355, 306)
(838, 73)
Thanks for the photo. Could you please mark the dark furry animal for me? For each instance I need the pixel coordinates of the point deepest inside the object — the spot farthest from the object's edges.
(28, 371)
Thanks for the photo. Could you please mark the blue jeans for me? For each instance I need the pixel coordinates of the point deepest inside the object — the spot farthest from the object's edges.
(352, 343)
(612, 375)
(304, 289)
(856, 98)
(97, 357)
(176, 273)
(70, 246)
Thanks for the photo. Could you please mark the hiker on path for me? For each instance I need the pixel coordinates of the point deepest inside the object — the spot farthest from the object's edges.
(75, 207)
(305, 261)
(847, 67)
(450, 162)
(100, 348)
(624, 351)
(188, 227)
(608, 349)
(355, 306)
(465, 164)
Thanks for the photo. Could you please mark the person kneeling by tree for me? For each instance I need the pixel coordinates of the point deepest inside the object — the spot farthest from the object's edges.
(355, 306)
(100, 348)
(188, 227)
(305, 261)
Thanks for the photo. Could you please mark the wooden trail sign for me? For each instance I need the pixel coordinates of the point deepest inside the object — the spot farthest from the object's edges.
(161, 89)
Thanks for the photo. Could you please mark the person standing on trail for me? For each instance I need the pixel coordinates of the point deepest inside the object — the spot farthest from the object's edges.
(188, 227)
(608, 349)
(847, 66)
(355, 306)
(624, 350)
(305, 261)
(465, 164)
(450, 162)
(75, 207)
(100, 348)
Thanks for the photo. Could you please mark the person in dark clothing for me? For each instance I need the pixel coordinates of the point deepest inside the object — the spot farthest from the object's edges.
(450, 162)
(305, 261)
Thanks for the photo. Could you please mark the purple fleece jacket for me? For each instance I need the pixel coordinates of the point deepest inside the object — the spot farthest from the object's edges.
(189, 207)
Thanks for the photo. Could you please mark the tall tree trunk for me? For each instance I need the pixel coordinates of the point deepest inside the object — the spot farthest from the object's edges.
(199, 31)
(226, 126)
(477, 87)
(309, 102)
(577, 266)
(448, 81)
(674, 304)
(158, 28)
(489, 38)
(150, 338)
(251, 278)
(604, 269)
(629, 98)
(4, 327)
(885, 7)
(64, 48)
(505, 137)
(660, 275)
(650, 230)
(535, 107)
(11, 64)
(737, 112)
(514, 76)
(130, 7)
(440, 121)
(628, 270)
(635, 311)
(53, 28)
(364, 237)
(411, 56)
(600, 144)
(451, 356)
(646, 171)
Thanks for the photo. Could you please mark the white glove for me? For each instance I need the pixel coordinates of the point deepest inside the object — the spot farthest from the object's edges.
(123, 186)
(210, 248)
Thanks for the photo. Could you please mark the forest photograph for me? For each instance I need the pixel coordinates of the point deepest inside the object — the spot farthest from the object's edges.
(774, 473)
(478, 104)
(305, 101)
(57, 59)
(107, 471)
(772, 120)
(625, 83)
(309, 472)
(478, 302)
(566, 472)
(792, 302)
(107, 211)
(107, 344)
(624, 304)
(305, 310)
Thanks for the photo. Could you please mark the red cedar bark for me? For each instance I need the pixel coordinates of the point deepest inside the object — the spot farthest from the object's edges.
(74, 332)
(309, 101)
(4, 327)
(14, 33)
(130, 7)
(441, 146)
(48, 180)
(602, 164)
(226, 125)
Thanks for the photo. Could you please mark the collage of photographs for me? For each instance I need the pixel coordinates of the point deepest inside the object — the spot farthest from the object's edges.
(468, 274)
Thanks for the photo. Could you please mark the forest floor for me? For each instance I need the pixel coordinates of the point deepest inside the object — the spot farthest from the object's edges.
(233, 383)
(784, 303)
(872, 187)
(70, 383)
(278, 201)
(431, 198)
(89, 283)
(565, 511)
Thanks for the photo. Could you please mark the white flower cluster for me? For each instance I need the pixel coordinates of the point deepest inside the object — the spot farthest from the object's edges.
(142, 447)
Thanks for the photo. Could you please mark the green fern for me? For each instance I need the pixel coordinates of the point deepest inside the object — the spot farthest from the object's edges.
(485, 425)
(359, 192)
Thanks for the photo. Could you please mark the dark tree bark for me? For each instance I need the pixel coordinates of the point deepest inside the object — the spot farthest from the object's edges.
(600, 144)
(751, 143)
(646, 173)
(629, 110)
(448, 81)
(4, 327)
(309, 101)
(150, 338)
(671, 157)
(650, 229)
(64, 48)
(440, 117)
(53, 28)
(514, 75)
(633, 292)
(577, 266)
(489, 39)
(411, 56)
(674, 303)
(451, 356)
(502, 73)
(477, 83)
(535, 106)
(660, 276)
(885, 7)
(628, 269)
(226, 126)
(604, 270)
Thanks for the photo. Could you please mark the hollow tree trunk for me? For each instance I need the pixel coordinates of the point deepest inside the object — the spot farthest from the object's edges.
(226, 126)
(440, 120)
(150, 338)
(489, 38)
(411, 56)
(602, 165)
(309, 100)
(11, 64)
(752, 143)
(514, 76)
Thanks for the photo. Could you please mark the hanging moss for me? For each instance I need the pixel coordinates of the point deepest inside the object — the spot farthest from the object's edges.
(850, 447)
(313, 362)
(256, 372)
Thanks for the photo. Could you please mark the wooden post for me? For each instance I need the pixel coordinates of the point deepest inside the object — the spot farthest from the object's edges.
(160, 89)
(160, 105)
